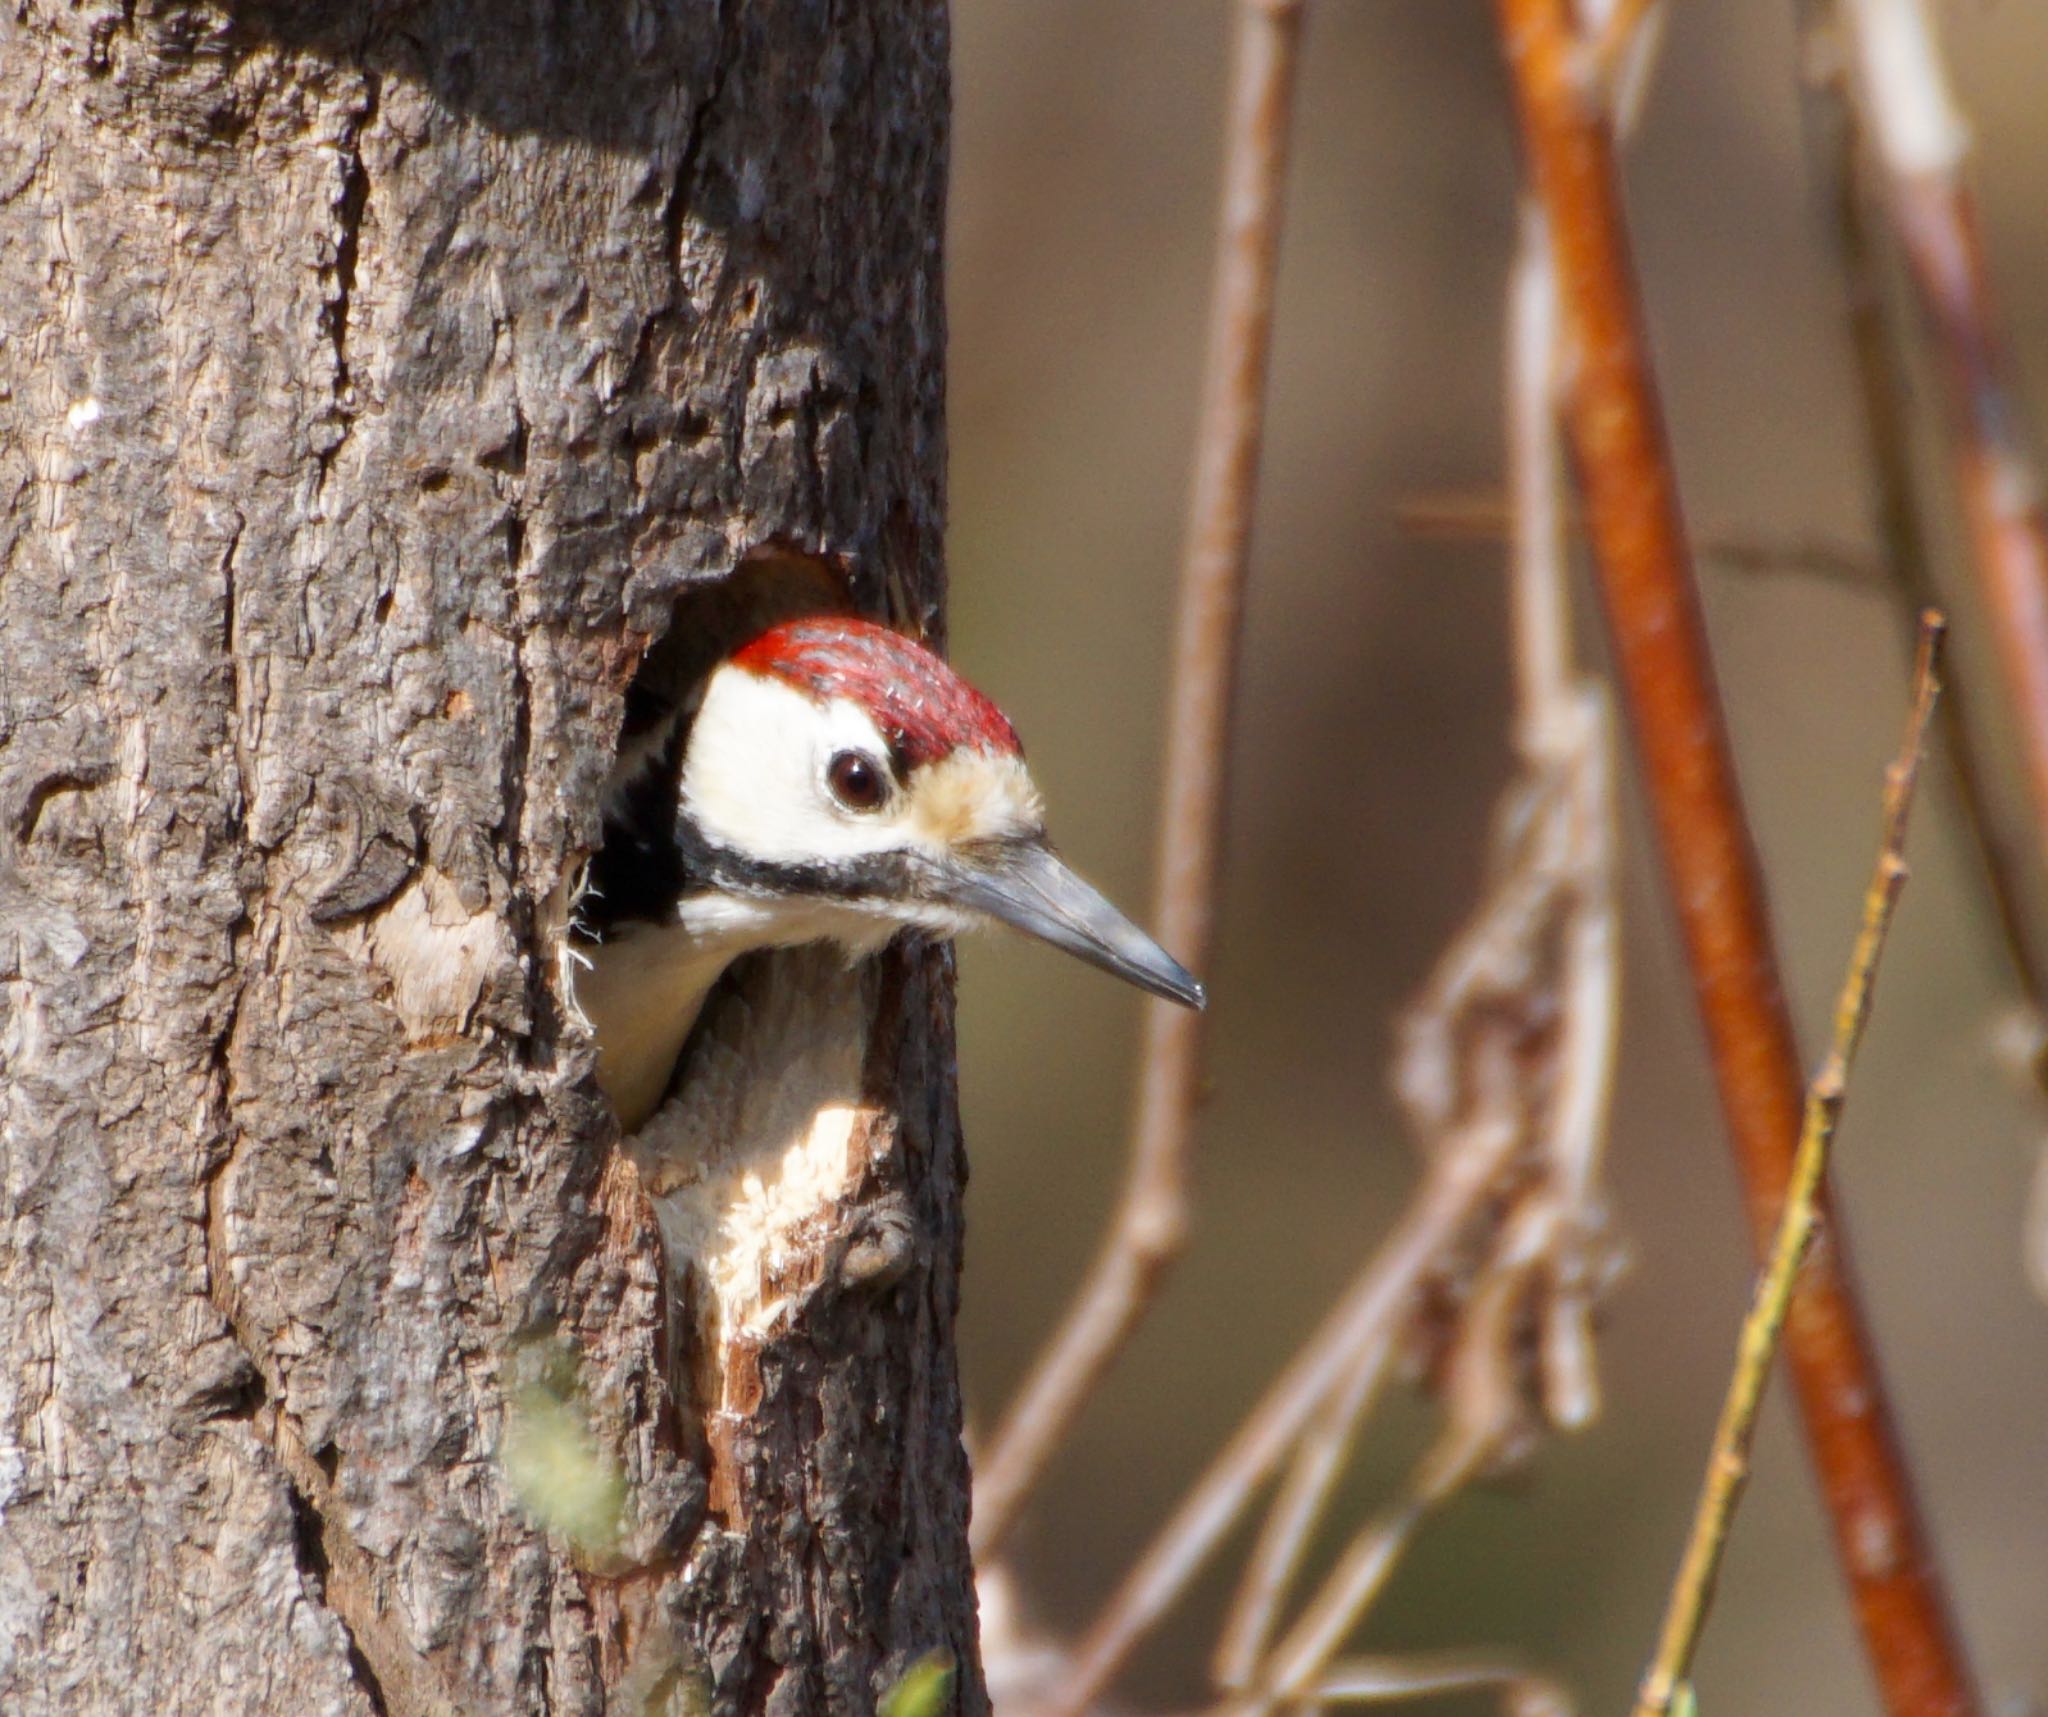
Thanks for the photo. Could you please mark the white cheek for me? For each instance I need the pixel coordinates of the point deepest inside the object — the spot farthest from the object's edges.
(754, 776)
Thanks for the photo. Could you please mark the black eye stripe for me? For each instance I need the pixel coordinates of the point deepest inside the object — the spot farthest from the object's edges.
(858, 781)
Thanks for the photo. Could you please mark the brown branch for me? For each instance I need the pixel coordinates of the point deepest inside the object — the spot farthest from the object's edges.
(1833, 139)
(1536, 965)
(1923, 145)
(1149, 1228)
(1646, 581)
(1692, 1592)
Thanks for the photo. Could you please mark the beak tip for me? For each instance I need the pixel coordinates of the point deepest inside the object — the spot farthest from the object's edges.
(1166, 978)
(1025, 885)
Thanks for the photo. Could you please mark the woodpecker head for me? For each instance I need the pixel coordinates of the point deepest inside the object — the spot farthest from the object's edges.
(830, 781)
(838, 774)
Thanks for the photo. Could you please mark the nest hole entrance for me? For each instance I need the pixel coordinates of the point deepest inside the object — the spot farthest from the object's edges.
(636, 982)
(754, 1149)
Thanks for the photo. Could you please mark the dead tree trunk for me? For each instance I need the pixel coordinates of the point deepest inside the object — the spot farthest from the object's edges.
(375, 382)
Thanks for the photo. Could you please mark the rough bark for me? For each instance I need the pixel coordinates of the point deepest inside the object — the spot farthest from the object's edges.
(374, 380)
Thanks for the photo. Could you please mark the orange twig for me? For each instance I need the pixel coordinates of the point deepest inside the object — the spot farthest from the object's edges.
(1652, 601)
(1151, 1222)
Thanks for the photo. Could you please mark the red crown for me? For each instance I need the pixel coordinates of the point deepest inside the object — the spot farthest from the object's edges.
(924, 709)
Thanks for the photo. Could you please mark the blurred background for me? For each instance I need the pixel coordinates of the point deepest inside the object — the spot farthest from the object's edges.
(1371, 743)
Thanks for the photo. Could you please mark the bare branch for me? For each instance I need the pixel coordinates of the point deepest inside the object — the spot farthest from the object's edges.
(1148, 1231)
(1470, 1443)
(1505, 1065)
(1833, 136)
(1647, 582)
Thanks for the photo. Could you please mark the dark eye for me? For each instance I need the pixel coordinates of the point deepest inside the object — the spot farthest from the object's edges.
(857, 781)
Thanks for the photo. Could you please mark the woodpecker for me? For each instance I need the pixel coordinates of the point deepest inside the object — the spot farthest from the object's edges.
(830, 780)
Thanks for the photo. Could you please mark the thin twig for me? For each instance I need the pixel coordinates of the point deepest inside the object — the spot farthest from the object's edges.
(1361, 1573)
(1623, 36)
(1373, 1680)
(1564, 720)
(1923, 144)
(1486, 1418)
(1151, 1220)
(1810, 557)
(1728, 1466)
(1646, 580)
(1453, 517)
(1373, 1305)
(1833, 141)
(1296, 1510)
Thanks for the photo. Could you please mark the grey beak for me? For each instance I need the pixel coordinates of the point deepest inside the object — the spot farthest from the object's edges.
(1026, 886)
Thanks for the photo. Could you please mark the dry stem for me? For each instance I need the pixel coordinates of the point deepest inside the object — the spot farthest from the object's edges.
(1373, 1680)
(1505, 1066)
(1833, 137)
(1295, 1512)
(1148, 1231)
(1728, 1465)
(1647, 583)
(1922, 143)
(1369, 1312)
(1455, 516)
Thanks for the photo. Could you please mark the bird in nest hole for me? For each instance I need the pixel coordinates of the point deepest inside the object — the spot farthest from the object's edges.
(830, 780)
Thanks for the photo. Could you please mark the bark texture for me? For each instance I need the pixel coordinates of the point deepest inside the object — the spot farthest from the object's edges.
(374, 381)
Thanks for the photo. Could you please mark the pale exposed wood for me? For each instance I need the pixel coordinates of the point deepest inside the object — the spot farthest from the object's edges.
(372, 381)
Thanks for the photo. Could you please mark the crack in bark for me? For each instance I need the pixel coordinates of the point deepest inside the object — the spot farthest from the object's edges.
(336, 1572)
(518, 762)
(351, 208)
(39, 794)
(238, 811)
(213, 1217)
(393, 1676)
(309, 1548)
(677, 205)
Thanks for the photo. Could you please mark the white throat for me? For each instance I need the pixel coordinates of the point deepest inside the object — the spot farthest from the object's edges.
(643, 989)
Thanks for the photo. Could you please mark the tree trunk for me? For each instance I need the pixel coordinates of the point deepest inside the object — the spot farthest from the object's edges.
(376, 381)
